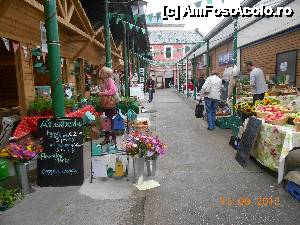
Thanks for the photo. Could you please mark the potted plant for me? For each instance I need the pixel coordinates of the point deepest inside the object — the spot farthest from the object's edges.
(142, 146)
(41, 106)
(21, 153)
(69, 104)
(8, 198)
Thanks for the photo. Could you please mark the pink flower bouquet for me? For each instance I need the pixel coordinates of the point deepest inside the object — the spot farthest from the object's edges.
(142, 145)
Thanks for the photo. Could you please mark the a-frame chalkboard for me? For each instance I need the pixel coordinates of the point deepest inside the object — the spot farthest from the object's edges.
(248, 140)
(61, 162)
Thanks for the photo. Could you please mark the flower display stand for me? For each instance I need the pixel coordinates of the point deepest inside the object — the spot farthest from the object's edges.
(151, 167)
(22, 176)
(138, 170)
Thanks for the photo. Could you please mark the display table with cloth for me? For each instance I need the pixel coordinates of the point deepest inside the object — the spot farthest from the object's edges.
(284, 100)
(29, 124)
(273, 145)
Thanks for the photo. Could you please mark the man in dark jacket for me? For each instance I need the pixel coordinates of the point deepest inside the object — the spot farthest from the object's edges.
(150, 88)
(200, 83)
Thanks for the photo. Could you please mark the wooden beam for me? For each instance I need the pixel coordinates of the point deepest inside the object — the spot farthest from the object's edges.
(4, 6)
(70, 26)
(65, 3)
(70, 12)
(61, 8)
(86, 45)
(88, 29)
(19, 63)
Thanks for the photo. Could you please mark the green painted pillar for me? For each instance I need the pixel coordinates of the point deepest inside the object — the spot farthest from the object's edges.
(126, 62)
(57, 94)
(194, 62)
(132, 57)
(182, 74)
(234, 58)
(107, 36)
(187, 77)
(208, 59)
(138, 63)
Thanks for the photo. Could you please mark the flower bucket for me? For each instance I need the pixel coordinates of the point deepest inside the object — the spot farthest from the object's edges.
(151, 167)
(22, 175)
(138, 170)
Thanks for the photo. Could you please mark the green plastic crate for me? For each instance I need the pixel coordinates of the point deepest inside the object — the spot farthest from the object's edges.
(224, 122)
(4, 171)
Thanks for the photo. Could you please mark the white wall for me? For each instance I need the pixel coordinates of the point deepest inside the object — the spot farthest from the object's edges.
(268, 26)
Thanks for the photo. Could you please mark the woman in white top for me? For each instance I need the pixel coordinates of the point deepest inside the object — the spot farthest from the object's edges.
(212, 93)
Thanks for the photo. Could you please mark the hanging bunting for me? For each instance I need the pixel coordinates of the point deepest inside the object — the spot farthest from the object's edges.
(198, 4)
(127, 17)
(209, 2)
(39, 57)
(6, 43)
(130, 25)
(118, 20)
(15, 46)
(137, 28)
(150, 16)
(143, 31)
(135, 18)
(158, 16)
(122, 16)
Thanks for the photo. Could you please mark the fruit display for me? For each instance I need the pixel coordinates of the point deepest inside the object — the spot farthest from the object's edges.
(223, 110)
(288, 91)
(297, 124)
(276, 118)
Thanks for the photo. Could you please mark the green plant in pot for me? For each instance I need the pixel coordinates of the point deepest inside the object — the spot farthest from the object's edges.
(69, 103)
(8, 198)
(40, 106)
(95, 101)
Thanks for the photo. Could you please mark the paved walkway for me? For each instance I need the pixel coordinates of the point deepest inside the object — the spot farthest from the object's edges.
(198, 170)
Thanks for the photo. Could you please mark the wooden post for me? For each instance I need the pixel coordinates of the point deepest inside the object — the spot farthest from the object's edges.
(19, 64)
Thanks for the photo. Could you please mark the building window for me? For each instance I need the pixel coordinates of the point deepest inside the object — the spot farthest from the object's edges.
(186, 49)
(168, 52)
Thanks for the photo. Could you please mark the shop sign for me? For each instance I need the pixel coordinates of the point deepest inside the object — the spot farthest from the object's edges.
(61, 162)
(283, 66)
(226, 58)
(142, 71)
(43, 37)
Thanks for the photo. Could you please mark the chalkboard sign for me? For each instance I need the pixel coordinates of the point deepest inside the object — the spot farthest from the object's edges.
(61, 162)
(248, 140)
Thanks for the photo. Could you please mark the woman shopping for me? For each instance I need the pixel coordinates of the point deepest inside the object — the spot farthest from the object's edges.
(108, 101)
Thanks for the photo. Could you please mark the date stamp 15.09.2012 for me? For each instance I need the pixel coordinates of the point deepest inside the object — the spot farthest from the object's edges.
(260, 201)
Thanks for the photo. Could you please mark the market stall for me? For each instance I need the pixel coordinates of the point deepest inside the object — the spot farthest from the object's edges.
(278, 134)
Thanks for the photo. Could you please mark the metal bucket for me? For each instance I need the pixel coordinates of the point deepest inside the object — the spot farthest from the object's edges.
(151, 167)
(22, 176)
(138, 169)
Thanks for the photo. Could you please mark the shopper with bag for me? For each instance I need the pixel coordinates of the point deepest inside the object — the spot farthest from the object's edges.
(150, 88)
(211, 91)
(108, 100)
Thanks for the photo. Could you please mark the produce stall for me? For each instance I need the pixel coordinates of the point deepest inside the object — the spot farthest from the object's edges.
(279, 133)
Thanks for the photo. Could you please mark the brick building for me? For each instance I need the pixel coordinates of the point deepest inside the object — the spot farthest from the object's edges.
(271, 43)
(169, 43)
